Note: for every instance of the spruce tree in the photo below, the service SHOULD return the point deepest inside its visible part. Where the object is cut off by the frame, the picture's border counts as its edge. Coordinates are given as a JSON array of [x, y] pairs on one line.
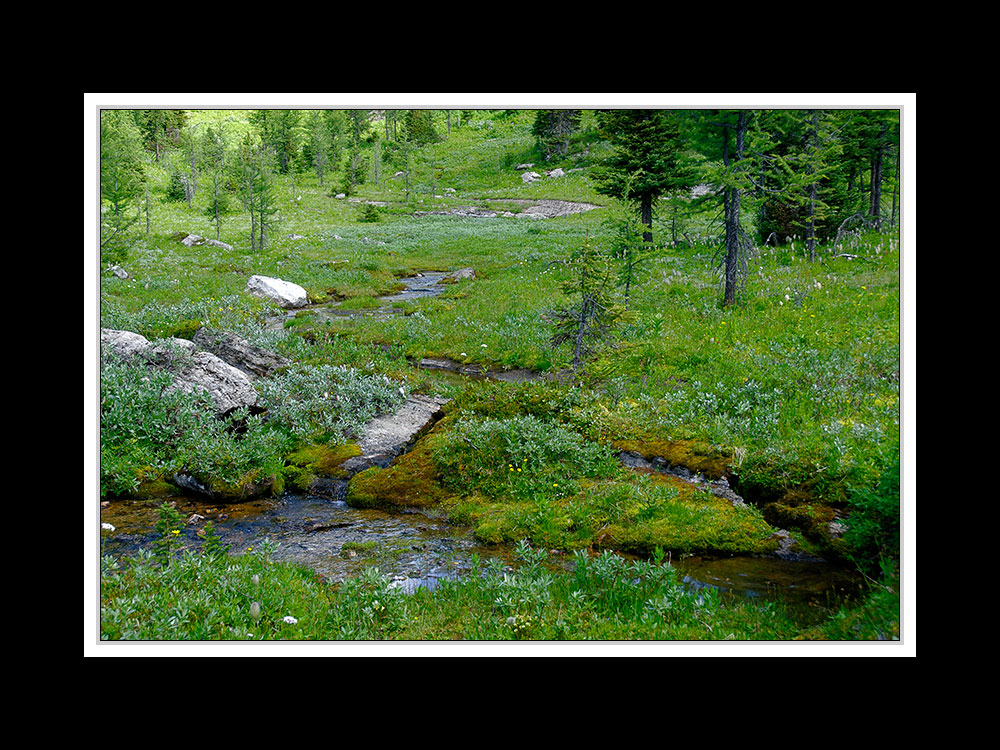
[[553, 129], [590, 318], [122, 177], [647, 159]]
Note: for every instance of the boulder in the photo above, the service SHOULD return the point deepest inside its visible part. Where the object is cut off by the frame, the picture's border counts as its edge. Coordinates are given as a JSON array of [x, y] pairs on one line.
[[285, 293], [239, 352], [192, 369], [530, 176], [194, 240], [557, 172], [460, 275], [387, 436], [125, 344]]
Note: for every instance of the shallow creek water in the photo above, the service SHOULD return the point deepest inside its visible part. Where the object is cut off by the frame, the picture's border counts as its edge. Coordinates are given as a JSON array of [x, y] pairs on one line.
[[417, 549], [325, 534]]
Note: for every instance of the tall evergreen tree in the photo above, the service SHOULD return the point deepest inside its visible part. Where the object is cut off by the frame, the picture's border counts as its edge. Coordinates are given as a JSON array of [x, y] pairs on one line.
[[805, 172], [419, 125], [646, 159], [870, 137], [253, 174], [319, 144], [721, 136], [281, 132], [161, 129], [553, 129], [213, 149], [122, 175]]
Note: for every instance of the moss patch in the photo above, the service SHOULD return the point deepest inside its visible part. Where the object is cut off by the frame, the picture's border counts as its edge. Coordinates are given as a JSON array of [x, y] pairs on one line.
[[693, 455], [409, 481], [320, 460]]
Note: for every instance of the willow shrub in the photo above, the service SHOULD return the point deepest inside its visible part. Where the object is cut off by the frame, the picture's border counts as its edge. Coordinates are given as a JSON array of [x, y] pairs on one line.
[[521, 457]]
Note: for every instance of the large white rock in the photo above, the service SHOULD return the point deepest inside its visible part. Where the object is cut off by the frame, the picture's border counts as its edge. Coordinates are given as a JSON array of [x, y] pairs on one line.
[[285, 293], [191, 368]]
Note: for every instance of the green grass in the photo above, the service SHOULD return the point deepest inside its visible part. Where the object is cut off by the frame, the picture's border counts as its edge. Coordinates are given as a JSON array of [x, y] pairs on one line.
[[248, 597], [795, 391]]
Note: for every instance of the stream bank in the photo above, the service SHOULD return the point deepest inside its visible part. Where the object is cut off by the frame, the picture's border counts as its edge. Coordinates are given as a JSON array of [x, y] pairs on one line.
[[416, 548]]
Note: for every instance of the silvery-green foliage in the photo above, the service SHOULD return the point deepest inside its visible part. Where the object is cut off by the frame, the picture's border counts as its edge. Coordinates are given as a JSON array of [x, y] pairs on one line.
[[328, 401], [144, 424]]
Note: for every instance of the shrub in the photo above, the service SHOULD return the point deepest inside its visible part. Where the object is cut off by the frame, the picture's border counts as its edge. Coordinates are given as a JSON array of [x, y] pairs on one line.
[[520, 457], [873, 524], [369, 213], [326, 402], [143, 423]]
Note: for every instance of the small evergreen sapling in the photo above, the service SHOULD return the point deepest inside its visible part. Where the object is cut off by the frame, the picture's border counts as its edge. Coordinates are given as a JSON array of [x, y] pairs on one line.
[[594, 314]]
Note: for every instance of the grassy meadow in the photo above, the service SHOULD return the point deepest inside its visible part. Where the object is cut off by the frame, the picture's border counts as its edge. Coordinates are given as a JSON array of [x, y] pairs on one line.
[[793, 395]]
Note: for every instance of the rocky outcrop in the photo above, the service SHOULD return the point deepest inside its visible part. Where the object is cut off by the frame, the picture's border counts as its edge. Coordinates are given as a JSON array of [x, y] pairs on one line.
[[192, 368], [387, 436], [238, 352], [284, 293], [460, 275]]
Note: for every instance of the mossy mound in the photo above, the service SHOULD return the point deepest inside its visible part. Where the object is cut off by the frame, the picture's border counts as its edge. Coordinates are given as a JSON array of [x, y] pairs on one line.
[[311, 462], [693, 455], [411, 480]]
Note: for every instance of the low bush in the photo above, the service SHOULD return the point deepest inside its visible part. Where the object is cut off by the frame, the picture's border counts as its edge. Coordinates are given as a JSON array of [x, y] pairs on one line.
[[523, 458]]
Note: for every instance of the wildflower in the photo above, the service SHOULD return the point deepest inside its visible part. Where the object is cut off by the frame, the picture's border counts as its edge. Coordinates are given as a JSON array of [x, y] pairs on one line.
[[107, 527], [255, 580], [289, 620], [483, 345], [175, 532], [255, 610]]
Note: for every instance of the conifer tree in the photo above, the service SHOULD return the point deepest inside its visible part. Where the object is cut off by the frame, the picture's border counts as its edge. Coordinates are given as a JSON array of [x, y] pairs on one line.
[[553, 129], [593, 314], [647, 158], [122, 177], [213, 149], [253, 174]]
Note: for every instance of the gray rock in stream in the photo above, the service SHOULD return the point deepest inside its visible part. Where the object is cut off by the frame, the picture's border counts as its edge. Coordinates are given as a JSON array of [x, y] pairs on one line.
[[719, 487], [387, 436]]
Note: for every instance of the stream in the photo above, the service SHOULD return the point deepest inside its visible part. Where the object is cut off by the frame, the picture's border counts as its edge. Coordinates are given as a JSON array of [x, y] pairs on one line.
[[418, 548]]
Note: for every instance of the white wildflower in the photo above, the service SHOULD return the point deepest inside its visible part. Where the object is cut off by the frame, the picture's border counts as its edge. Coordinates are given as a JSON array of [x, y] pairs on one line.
[[107, 527], [289, 620]]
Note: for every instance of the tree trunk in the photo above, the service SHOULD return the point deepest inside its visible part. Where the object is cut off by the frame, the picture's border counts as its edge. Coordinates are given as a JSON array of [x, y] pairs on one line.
[[646, 208], [813, 190], [895, 193], [732, 214], [875, 206]]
